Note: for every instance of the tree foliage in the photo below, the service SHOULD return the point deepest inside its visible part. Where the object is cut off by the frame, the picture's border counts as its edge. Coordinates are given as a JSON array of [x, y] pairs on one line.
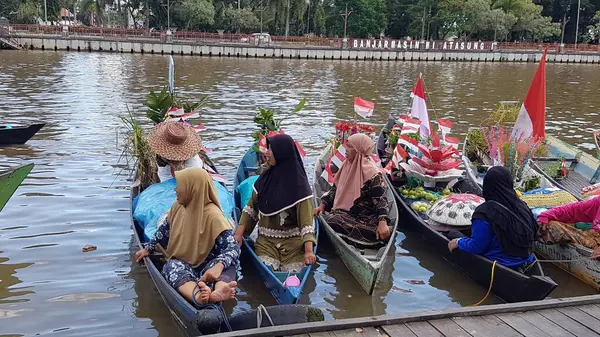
[[502, 20]]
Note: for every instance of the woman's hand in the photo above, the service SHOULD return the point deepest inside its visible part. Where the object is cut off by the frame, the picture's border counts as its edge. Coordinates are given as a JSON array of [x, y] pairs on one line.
[[453, 245], [309, 258], [239, 235], [212, 274], [140, 254], [319, 209], [383, 231]]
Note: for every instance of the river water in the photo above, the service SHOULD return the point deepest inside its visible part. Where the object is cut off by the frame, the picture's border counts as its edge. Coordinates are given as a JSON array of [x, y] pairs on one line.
[[78, 193]]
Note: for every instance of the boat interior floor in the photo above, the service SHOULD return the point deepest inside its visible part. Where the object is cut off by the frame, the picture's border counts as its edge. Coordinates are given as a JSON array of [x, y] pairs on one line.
[[573, 183]]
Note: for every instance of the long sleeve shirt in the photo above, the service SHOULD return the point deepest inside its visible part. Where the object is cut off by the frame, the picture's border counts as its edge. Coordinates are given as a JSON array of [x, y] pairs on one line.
[[291, 222], [484, 242], [372, 201], [583, 211], [225, 250]]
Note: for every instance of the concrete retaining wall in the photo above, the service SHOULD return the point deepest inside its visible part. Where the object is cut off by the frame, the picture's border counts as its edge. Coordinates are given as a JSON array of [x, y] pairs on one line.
[[151, 47]]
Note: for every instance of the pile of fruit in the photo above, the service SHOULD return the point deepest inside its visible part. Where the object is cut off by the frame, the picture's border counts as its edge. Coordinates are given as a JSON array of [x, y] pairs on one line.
[[420, 206], [420, 193]]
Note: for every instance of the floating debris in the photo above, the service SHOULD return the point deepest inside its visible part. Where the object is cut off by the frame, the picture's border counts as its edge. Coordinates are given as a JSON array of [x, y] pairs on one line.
[[12, 313], [83, 298], [415, 282], [405, 291], [88, 248], [359, 330]]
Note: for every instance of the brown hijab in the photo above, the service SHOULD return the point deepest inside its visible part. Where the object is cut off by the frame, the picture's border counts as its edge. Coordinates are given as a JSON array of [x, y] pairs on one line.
[[195, 219], [355, 171]]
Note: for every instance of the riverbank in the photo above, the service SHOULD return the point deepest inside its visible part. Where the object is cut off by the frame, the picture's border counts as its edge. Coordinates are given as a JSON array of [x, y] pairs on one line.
[[234, 49]]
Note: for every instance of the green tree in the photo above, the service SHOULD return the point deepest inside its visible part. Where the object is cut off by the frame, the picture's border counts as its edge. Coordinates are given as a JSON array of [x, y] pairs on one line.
[[195, 13]]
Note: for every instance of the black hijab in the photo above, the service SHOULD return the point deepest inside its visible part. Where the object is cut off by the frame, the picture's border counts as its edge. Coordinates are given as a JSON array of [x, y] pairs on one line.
[[285, 184], [510, 218]]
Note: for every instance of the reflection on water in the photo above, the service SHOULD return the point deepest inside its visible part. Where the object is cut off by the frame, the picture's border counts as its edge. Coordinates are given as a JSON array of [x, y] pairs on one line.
[[77, 193]]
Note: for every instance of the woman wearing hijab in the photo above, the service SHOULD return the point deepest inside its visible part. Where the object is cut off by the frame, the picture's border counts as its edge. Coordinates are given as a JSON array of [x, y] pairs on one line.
[[199, 242], [357, 200], [281, 204], [503, 228]]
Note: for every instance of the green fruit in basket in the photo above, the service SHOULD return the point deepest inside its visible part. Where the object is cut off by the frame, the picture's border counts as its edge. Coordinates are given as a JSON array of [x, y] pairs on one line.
[[423, 209], [405, 192], [429, 197], [446, 191]]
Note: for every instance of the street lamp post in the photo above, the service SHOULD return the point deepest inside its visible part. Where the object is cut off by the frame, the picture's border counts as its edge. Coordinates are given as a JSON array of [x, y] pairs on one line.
[[45, 13], [168, 15], [577, 24], [345, 15]]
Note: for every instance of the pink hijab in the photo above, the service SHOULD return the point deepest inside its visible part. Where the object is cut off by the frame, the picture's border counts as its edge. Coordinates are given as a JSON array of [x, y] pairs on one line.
[[355, 171]]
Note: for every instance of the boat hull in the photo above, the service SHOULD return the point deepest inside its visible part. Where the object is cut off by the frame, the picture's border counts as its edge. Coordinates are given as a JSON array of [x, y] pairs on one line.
[[10, 180], [272, 280], [509, 285], [365, 267], [19, 135]]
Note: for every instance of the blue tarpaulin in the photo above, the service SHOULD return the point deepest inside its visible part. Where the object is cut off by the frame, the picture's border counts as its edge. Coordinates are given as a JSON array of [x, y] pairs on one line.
[[157, 199], [245, 190]]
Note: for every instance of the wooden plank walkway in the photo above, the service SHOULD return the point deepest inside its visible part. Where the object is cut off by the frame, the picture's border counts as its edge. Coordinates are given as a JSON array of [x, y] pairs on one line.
[[568, 317]]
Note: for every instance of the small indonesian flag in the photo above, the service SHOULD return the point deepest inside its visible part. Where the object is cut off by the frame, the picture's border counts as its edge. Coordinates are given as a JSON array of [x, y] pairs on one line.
[[184, 117], [531, 121], [262, 143], [218, 177], [176, 112], [398, 156], [410, 143], [363, 108], [136, 183], [199, 128], [445, 126], [337, 159], [452, 141], [419, 108], [410, 125]]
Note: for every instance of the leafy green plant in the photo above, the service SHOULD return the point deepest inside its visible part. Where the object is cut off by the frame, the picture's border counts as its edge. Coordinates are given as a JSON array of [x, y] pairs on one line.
[[136, 149], [158, 105], [266, 122]]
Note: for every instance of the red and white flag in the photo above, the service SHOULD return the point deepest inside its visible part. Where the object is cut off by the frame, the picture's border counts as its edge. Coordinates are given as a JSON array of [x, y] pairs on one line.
[[445, 126], [398, 156], [218, 177], [419, 108], [199, 127], [174, 111], [410, 125], [193, 114], [410, 143], [531, 121], [451, 141], [262, 143], [337, 159], [363, 108]]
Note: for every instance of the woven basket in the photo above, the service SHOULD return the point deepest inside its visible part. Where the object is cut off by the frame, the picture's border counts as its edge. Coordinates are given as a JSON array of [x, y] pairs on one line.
[[548, 200]]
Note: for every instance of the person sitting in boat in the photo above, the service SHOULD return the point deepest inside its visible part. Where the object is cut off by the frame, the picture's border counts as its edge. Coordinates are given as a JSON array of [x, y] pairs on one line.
[[503, 228], [281, 204], [199, 242], [176, 146], [587, 211], [357, 200]]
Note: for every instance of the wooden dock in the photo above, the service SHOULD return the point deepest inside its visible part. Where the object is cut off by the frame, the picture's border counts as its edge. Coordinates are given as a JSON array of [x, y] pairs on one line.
[[576, 316]]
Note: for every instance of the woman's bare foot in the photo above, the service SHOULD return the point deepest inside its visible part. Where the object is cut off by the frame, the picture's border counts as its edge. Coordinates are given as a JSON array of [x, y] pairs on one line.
[[203, 296], [223, 292]]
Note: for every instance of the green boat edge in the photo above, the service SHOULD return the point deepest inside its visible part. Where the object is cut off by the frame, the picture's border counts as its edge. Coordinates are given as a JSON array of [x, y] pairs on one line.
[[10, 180]]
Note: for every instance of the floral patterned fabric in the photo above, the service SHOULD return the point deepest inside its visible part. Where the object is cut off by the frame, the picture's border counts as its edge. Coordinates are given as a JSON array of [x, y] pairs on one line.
[[177, 272], [360, 222]]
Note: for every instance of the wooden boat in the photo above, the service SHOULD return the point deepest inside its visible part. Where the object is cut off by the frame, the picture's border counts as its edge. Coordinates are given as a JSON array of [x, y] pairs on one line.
[[195, 322], [273, 280], [10, 180], [365, 261], [509, 285], [583, 171], [18, 134]]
